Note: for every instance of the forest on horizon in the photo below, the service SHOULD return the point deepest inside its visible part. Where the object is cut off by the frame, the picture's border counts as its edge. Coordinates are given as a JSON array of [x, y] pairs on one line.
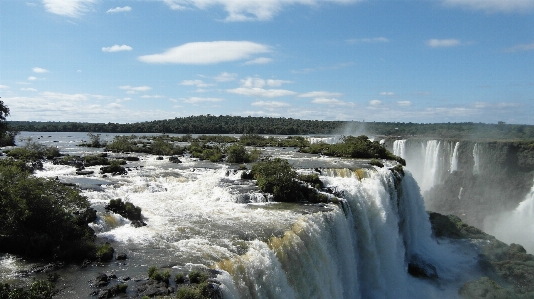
[[210, 124]]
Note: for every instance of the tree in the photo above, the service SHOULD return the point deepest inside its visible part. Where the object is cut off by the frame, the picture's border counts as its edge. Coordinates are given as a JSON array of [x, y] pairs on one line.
[[278, 178], [6, 137]]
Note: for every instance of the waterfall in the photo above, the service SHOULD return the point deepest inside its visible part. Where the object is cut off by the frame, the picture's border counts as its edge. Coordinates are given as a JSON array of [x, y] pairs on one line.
[[476, 158], [431, 166], [360, 249], [454, 159], [399, 148], [515, 226]]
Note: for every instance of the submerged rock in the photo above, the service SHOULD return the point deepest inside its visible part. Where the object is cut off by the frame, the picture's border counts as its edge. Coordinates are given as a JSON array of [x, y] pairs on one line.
[[420, 268]]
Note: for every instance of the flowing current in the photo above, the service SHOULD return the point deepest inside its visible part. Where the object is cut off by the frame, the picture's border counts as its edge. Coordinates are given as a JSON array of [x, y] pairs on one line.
[[201, 213]]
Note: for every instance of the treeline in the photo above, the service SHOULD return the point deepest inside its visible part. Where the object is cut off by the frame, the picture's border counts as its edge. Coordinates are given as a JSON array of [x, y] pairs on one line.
[[210, 124]]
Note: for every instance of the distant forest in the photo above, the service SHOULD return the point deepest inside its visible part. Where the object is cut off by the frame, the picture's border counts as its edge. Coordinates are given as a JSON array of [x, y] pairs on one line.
[[210, 124]]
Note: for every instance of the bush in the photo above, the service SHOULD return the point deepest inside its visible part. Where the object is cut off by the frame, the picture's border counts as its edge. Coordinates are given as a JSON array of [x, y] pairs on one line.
[[105, 253], [179, 278], [377, 163], [39, 289], [38, 216], [197, 276], [114, 168], [276, 176], [127, 210]]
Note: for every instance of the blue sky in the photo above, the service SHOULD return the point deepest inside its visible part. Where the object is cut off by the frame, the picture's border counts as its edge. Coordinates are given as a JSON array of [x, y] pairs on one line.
[[373, 60]]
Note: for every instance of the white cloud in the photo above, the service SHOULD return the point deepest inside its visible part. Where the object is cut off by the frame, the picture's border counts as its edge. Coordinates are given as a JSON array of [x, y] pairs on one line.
[[119, 9], [320, 94], [260, 92], [493, 6], [404, 103], [64, 96], [331, 101], [375, 102], [152, 97], [197, 83], [207, 52], [4, 87], [443, 43], [70, 8], [260, 60], [39, 70], [28, 89], [387, 93], [270, 104], [520, 48], [226, 77], [135, 89], [258, 82], [367, 40], [116, 48], [263, 10], [32, 78], [194, 100]]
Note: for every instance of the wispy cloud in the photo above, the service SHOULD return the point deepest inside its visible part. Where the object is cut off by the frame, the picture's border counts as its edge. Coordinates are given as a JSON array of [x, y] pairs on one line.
[[116, 48], [70, 8], [32, 78], [39, 70], [119, 9], [260, 92], [197, 83], [226, 77], [270, 104], [4, 87], [207, 52], [373, 40], [387, 93], [260, 60], [28, 89], [375, 102], [320, 94], [258, 82], [404, 103], [195, 100], [239, 11], [331, 101], [493, 6], [443, 43], [520, 48], [134, 89], [152, 97]]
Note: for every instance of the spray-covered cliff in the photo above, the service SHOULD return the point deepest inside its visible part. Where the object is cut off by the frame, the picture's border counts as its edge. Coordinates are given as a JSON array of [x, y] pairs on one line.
[[474, 180]]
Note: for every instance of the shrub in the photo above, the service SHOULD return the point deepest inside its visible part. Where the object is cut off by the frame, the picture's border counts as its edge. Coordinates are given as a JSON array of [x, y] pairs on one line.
[[114, 168], [376, 162], [313, 179], [38, 216], [197, 276], [105, 252], [276, 176], [39, 289], [179, 278], [189, 293], [127, 210]]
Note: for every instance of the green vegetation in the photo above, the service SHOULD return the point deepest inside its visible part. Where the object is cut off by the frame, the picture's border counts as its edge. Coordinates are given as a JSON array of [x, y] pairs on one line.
[[33, 151], [94, 141], [105, 252], [376, 162], [39, 289], [278, 178], [353, 147], [179, 278], [115, 168], [7, 137], [38, 216], [237, 153], [508, 269], [197, 276], [125, 209]]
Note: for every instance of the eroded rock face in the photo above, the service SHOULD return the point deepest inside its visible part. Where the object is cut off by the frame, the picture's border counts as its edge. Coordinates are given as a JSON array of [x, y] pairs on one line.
[[420, 268], [508, 269]]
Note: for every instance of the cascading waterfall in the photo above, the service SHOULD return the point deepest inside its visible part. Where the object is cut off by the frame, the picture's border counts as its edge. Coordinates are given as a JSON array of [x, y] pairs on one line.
[[476, 158], [515, 226], [454, 159], [357, 250], [431, 165], [399, 148]]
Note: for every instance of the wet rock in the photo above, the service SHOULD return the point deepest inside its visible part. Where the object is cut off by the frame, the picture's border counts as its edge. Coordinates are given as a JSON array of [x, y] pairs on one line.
[[152, 288], [101, 280], [420, 268], [112, 291], [122, 256], [137, 223], [86, 263], [84, 172], [46, 268], [159, 158], [174, 159], [85, 216]]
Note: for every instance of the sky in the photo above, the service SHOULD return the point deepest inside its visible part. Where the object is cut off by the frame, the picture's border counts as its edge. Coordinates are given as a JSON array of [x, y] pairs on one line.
[[424, 61]]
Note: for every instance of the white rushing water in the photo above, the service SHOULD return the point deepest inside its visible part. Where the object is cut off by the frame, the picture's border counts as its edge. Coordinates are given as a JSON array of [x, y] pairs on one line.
[[476, 158], [454, 159], [399, 148], [359, 248], [515, 226]]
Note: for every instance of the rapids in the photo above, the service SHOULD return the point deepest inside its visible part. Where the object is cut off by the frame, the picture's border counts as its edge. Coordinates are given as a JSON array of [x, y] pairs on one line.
[[200, 213]]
